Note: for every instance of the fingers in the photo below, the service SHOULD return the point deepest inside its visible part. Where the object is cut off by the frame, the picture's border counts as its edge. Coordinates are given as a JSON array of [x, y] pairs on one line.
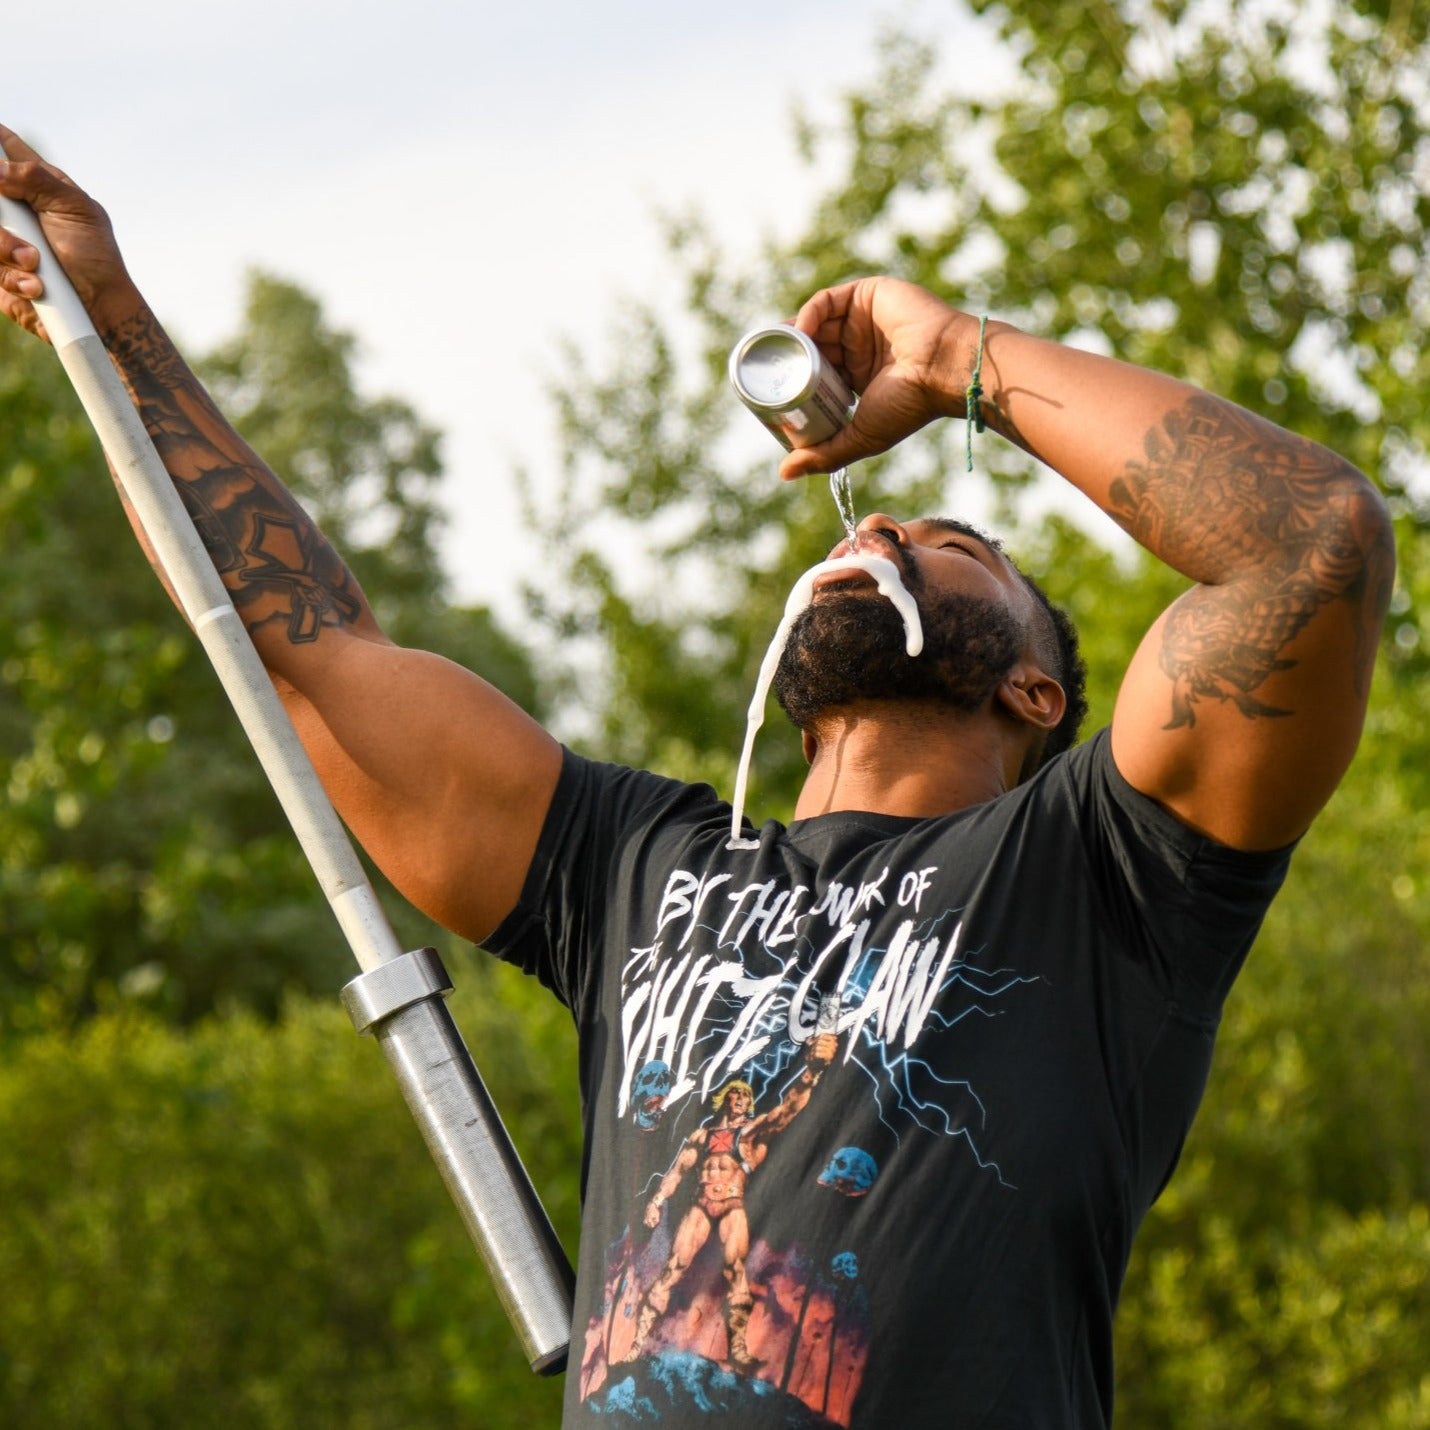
[[833, 319], [822, 314], [842, 449], [50, 192], [19, 261], [19, 283], [40, 185], [79, 234], [22, 313], [18, 264], [892, 407], [18, 164], [891, 339]]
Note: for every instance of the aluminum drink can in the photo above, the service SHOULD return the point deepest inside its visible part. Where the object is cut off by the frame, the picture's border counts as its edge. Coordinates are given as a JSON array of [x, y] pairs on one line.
[[778, 374]]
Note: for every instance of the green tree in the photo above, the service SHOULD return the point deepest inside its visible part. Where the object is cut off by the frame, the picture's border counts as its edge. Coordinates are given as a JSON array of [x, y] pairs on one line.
[[1207, 191], [236, 1224], [141, 853]]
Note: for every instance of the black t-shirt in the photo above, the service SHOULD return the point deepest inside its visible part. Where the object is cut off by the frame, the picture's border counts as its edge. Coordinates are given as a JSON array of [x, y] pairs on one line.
[[930, 1226]]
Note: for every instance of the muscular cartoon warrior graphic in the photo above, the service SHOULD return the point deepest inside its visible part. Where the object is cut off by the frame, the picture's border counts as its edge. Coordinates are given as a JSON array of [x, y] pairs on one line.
[[729, 1150]]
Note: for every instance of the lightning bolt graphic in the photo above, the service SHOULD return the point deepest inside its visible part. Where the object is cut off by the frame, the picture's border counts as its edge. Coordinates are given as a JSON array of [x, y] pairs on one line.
[[907, 1091]]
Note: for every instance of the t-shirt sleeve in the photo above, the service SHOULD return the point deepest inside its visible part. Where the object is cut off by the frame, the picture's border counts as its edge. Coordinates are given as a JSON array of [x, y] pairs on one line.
[[555, 930], [1179, 902]]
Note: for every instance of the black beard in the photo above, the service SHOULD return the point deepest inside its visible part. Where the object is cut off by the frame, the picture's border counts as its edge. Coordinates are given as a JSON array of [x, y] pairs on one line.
[[849, 646]]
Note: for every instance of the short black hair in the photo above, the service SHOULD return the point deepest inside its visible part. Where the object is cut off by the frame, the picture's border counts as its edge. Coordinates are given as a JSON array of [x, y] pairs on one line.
[[1069, 668], [1056, 644]]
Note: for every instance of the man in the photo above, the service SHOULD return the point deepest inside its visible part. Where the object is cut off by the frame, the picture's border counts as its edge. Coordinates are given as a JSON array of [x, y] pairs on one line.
[[730, 1150], [1022, 953]]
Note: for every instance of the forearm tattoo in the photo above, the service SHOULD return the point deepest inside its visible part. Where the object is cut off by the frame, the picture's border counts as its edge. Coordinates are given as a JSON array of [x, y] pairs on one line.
[[279, 568], [1274, 526]]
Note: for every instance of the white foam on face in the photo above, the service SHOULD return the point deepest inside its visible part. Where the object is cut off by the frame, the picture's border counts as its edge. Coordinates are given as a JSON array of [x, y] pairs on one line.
[[890, 585]]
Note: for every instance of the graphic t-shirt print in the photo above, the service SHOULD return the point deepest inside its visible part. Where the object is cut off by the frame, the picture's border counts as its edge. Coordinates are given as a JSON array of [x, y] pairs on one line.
[[748, 1003]]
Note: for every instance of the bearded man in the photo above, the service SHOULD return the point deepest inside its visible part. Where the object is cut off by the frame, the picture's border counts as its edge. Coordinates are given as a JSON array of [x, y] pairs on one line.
[[1022, 945]]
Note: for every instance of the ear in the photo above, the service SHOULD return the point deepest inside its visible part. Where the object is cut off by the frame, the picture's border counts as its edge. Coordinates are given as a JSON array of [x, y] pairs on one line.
[[810, 746], [1031, 697]]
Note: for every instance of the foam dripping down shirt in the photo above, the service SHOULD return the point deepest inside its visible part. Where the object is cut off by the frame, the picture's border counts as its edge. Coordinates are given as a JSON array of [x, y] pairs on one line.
[[872, 1112]]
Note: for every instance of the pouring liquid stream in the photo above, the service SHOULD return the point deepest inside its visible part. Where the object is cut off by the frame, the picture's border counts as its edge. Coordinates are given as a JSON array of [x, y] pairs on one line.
[[844, 505], [753, 364]]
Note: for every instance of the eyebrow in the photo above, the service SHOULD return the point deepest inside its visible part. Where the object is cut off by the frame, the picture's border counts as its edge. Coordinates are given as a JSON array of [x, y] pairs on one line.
[[962, 528], [951, 527]]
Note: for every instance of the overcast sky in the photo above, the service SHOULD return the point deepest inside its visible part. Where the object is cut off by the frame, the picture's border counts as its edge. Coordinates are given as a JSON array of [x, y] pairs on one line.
[[459, 183]]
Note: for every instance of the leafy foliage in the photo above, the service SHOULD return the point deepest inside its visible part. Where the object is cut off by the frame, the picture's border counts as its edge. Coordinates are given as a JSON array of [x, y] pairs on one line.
[[142, 855], [1234, 193], [238, 1225]]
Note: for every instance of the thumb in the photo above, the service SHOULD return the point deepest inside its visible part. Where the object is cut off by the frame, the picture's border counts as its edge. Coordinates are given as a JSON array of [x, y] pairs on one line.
[[893, 406], [848, 445], [13, 147], [42, 187], [25, 175]]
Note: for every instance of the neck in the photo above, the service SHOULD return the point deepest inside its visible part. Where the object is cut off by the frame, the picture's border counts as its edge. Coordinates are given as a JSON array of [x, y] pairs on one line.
[[913, 760]]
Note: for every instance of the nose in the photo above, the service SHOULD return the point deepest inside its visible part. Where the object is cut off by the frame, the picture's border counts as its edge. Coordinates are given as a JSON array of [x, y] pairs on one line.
[[876, 523]]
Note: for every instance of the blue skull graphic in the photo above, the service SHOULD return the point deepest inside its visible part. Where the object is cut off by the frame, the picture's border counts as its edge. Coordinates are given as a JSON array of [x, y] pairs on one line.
[[851, 1170], [845, 1266], [648, 1094]]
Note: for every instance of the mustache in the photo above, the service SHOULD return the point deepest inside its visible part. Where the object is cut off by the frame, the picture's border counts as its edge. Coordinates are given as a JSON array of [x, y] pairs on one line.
[[896, 552]]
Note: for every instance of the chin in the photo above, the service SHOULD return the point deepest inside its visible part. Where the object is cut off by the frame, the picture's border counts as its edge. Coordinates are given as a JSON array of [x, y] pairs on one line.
[[847, 649]]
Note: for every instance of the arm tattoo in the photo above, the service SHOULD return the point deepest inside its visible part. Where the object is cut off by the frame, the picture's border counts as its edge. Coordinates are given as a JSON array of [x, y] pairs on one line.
[[1275, 526], [279, 568]]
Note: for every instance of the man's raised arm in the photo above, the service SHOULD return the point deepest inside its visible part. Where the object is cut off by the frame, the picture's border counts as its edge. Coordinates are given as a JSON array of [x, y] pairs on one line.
[[442, 779], [1245, 701]]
